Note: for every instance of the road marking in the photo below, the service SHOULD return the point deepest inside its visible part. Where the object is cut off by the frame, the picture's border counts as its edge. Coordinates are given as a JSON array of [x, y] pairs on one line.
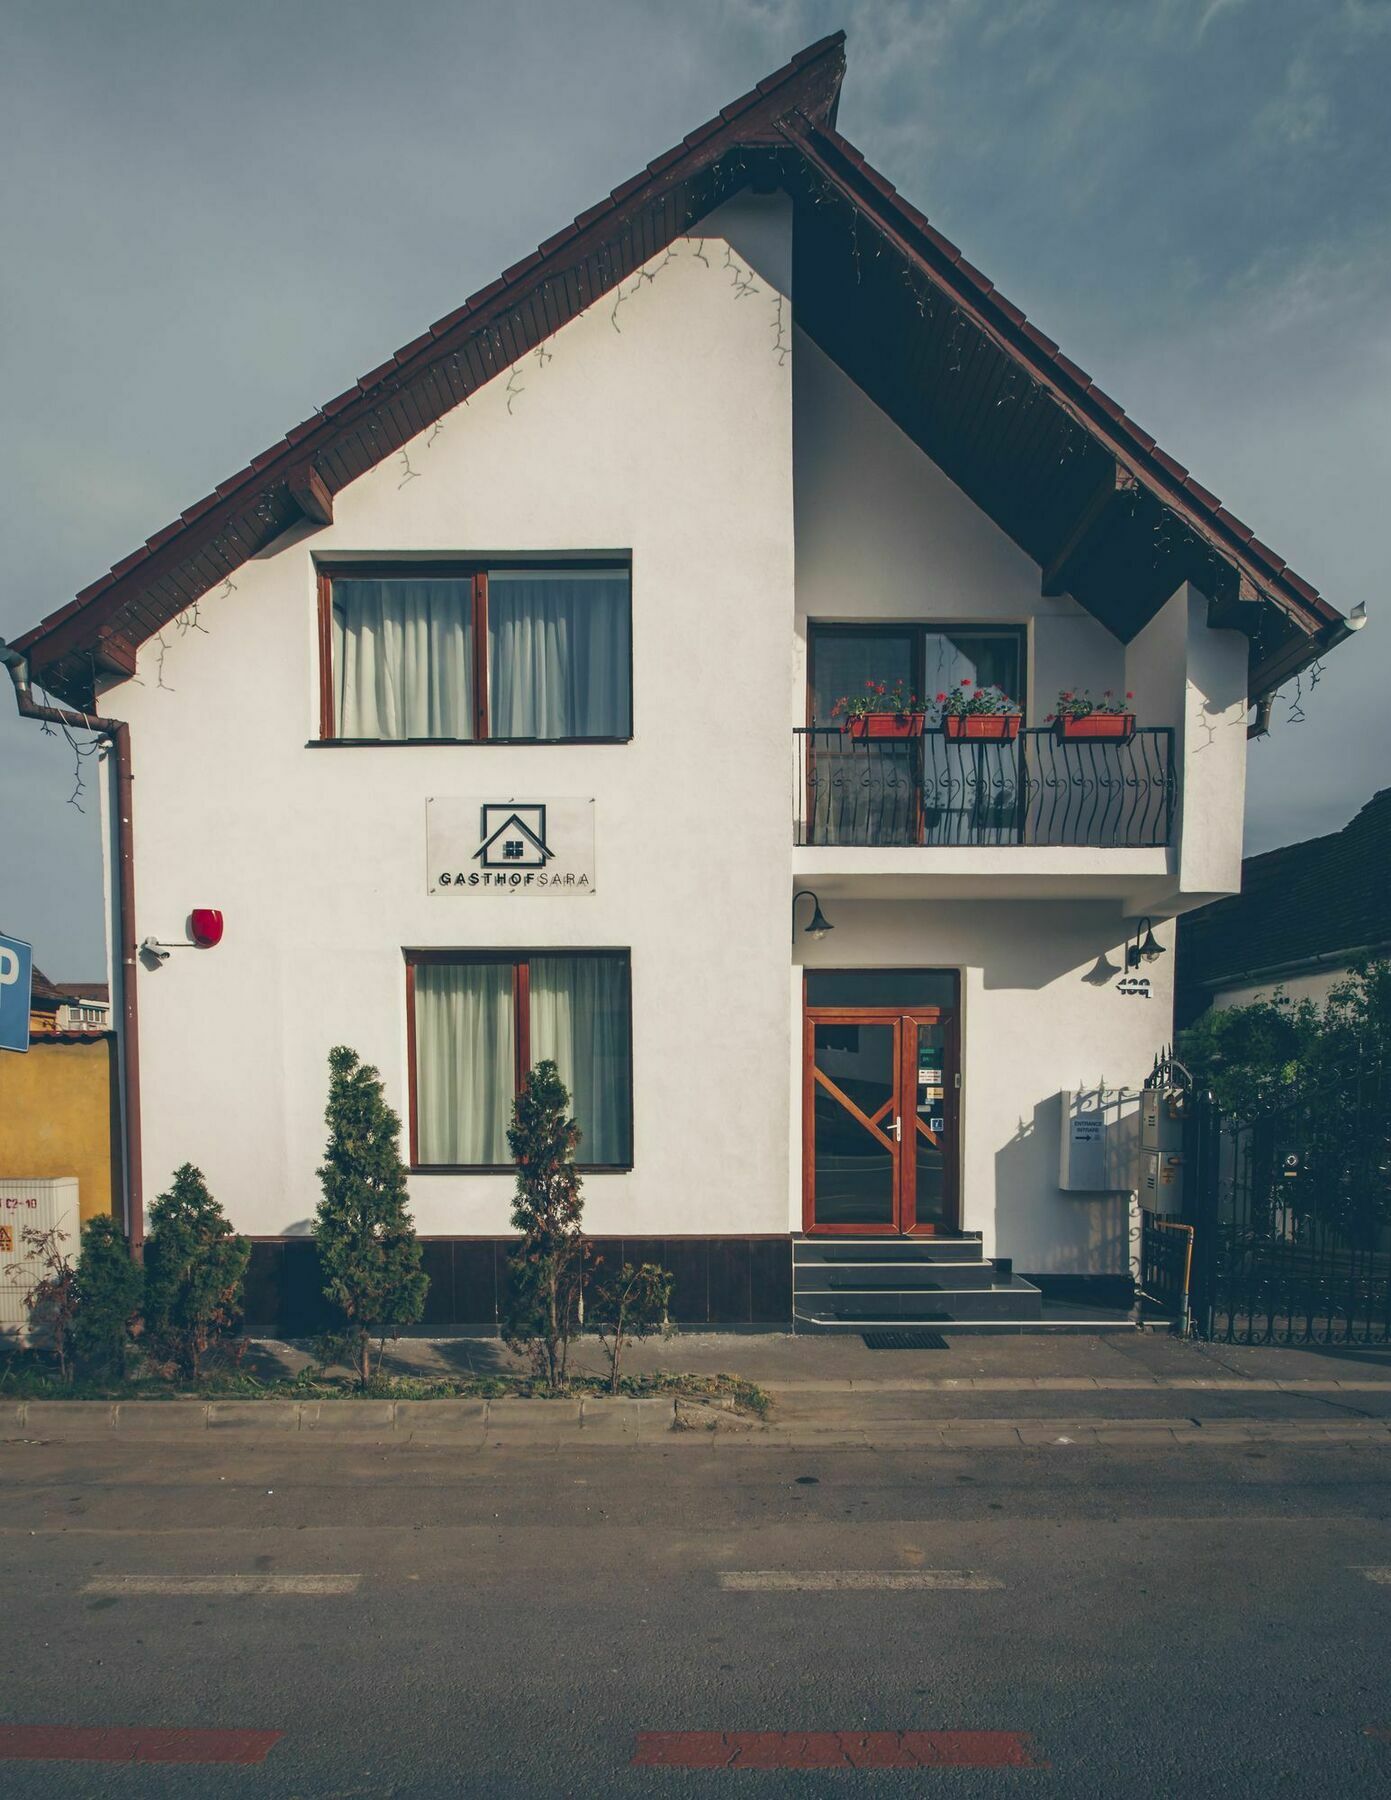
[[835, 1750], [827, 1581], [172, 1585], [1381, 1576], [133, 1744]]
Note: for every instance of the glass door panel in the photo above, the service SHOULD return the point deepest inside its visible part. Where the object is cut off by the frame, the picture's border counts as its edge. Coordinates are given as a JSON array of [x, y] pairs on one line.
[[929, 1076], [860, 793], [855, 1124]]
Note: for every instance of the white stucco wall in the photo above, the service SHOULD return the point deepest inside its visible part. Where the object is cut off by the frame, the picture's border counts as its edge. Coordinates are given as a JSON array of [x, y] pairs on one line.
[[1031, 1027], [883, 534], [669, 437], [754, 491], [1195, 678]]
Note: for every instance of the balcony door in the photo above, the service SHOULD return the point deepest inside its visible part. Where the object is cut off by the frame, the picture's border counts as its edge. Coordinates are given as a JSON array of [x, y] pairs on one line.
[[879, 1114]]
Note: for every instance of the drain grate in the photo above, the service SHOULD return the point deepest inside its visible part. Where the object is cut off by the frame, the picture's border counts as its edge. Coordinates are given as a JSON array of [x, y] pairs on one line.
[[905, 1340]]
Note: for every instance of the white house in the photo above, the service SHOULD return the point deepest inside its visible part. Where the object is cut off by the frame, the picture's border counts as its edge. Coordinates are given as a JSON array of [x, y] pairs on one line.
[[508, 729]]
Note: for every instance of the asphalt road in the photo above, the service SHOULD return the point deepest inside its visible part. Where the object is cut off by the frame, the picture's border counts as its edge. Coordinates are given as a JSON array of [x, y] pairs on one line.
[[1147, 1623]]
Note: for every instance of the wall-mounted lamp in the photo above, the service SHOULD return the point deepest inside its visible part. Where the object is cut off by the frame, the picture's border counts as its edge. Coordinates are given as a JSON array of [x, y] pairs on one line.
[[819, 924], [1149, 951]]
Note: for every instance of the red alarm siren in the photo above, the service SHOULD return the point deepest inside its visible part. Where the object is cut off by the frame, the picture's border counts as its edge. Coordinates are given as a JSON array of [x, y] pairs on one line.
[[205, 924]]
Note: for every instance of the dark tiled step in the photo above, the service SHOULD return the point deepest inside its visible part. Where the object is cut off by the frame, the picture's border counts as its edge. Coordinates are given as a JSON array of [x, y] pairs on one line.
[[811, 1278], [1019, 1300], [811, 1251]]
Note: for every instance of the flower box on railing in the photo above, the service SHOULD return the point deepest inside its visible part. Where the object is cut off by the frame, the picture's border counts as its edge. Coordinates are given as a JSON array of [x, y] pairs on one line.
[[1000, 727], [1115, 726], [885, 725]]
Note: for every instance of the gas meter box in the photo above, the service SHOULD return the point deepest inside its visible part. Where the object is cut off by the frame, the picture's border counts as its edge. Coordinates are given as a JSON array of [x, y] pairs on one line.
[[1161, 1181], [1161, 1120]]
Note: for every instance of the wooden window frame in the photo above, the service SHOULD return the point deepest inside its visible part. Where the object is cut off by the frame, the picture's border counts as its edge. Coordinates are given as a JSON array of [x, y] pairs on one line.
[[919, 630], [520, 961], [454, 570]]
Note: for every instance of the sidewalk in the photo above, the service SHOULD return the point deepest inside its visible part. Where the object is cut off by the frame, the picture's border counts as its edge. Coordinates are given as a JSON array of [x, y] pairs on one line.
[[788, 1365], [1136, 1390]]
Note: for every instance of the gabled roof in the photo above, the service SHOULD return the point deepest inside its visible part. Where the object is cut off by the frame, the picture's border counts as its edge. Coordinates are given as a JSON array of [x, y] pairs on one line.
[[1030, 437], [1315, 901]]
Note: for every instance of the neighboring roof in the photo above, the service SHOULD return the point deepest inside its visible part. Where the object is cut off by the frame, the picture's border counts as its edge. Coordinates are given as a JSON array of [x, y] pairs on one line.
[[44, 995], [1315, 901], [88, 990], [1055, 461]]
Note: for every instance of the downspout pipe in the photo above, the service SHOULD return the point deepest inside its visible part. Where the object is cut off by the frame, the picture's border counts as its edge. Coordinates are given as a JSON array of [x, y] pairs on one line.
[[117, 734]]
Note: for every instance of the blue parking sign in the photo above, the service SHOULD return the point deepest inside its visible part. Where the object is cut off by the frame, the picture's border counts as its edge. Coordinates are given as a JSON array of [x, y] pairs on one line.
[[16, 979]]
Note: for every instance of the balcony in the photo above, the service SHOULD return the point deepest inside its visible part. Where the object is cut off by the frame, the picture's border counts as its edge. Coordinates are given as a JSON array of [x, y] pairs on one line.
[[1038, 792]]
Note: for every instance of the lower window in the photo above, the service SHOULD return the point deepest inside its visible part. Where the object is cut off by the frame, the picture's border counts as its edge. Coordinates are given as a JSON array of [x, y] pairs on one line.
[[479, 1020]]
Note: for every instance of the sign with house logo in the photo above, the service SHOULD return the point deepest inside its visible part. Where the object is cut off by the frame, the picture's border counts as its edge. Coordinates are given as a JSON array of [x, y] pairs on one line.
[[508, 846]]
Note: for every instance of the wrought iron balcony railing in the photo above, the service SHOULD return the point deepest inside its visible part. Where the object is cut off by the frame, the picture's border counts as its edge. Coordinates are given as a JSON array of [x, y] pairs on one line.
[[1038, 790]]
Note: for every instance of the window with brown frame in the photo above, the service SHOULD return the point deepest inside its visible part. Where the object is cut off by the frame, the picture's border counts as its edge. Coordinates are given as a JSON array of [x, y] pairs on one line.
[[463, 653], [928, 658], [477, 1021]]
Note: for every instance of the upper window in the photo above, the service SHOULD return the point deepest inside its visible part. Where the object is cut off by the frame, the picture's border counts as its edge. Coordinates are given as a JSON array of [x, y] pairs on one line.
[[929, 659], [538, 654]]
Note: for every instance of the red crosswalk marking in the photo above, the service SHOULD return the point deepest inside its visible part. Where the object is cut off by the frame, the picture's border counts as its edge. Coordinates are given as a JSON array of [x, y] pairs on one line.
[[836, 1750], [133, 1743]]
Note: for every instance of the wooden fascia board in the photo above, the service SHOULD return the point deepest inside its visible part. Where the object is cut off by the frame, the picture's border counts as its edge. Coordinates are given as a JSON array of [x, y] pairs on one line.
[[310, 493], [973, 300], [114, 653], [811, 80]]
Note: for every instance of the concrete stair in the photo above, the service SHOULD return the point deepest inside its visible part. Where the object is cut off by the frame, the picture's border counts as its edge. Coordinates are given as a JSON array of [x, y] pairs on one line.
[[851, 1284]]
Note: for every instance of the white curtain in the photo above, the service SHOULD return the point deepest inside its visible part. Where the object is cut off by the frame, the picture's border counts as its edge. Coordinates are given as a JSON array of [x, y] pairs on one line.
[[403, 658], [465, 1062], [558, 659], [579, 1019]]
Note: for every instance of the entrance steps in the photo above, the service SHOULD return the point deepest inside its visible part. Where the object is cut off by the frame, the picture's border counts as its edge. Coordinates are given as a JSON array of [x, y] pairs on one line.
[[851, 1284]]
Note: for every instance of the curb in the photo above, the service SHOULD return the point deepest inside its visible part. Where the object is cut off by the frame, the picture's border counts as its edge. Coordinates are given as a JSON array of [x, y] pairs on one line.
[[596, 1422], [507, 1420]]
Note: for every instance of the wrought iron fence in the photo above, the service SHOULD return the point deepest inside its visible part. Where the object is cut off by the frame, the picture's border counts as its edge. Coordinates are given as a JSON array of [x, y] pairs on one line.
[[1166, 1266], [1292, 1217], [1037, 790]]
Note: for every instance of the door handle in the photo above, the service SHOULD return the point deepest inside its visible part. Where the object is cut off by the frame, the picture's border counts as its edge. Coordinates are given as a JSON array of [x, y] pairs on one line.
[[897, 1130]]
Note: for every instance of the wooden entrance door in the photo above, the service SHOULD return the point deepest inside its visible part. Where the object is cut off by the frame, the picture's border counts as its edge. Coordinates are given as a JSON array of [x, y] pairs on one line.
[[879, 1121]]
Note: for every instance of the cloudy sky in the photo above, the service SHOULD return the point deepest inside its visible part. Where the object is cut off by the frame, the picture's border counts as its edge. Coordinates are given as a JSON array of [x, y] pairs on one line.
[[214, 214]]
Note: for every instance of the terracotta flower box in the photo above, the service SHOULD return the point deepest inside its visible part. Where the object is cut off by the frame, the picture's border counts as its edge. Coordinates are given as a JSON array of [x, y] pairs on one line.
[[1098, 725], [885, 725], [1001, 727]]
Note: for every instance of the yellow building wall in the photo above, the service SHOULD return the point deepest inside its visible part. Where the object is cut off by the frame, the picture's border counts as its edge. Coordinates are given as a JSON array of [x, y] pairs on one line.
[[59, 1116]]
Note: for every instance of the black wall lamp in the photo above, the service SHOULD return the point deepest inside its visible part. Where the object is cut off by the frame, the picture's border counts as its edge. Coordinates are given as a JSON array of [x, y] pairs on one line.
[[1149, 951], [819, 924]]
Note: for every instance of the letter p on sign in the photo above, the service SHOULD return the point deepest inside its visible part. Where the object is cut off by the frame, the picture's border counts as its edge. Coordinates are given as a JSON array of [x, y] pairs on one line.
[[16, 977]]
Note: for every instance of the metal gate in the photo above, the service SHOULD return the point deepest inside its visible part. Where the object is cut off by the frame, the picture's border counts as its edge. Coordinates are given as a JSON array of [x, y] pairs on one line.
[[1291, 1216]]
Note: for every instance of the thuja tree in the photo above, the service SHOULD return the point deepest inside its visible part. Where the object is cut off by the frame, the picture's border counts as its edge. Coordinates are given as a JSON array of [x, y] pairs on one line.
[[111, 1289], [195, 1265], [546, 1275], [368, 1250]]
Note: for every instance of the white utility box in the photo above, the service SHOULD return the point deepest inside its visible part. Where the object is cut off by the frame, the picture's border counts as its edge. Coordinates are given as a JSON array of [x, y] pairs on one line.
[[36, 1206], [1099, 1137], [1161, 1150]]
